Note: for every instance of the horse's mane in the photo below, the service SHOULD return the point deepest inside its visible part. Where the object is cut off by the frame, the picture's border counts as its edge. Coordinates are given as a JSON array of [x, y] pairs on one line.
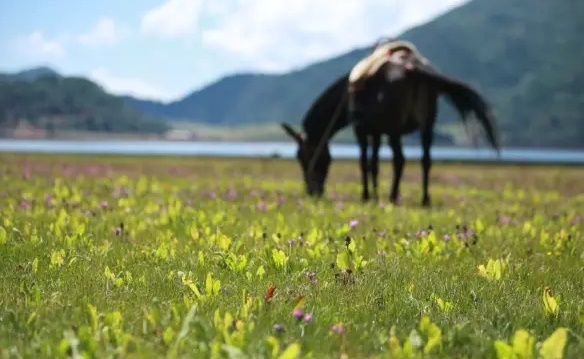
[[322, 111]]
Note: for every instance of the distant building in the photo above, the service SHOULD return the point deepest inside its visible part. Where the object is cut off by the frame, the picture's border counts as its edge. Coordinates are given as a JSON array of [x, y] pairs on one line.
[[179, 135], [24, 130]]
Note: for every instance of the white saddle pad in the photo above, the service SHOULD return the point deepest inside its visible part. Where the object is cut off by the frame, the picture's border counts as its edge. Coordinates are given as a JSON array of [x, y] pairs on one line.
[[370, 64]]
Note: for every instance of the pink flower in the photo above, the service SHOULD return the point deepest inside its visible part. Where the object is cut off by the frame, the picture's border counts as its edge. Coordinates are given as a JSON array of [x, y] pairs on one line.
[[338, 328], [353, 223], [504, 220], [261, 206], [307, 317], [298, 313], [231, 194], [24, 204]]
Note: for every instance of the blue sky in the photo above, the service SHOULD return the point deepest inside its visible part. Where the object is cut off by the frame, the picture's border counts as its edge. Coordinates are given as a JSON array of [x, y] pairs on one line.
[[163, 49]]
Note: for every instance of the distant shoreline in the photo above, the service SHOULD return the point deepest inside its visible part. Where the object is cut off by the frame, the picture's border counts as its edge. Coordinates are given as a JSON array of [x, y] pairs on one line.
[[136, 138], [281, 149]]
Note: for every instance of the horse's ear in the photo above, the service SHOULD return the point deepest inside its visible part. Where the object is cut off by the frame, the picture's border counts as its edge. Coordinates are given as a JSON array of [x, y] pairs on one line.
[[293, 133]]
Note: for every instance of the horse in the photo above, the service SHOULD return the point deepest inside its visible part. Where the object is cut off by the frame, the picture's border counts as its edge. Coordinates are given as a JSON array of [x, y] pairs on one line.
[[406, 91], [329, 113]]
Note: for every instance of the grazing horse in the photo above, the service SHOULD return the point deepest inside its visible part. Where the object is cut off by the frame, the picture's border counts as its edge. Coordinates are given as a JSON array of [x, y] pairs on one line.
[[400, 96], [330, 113]]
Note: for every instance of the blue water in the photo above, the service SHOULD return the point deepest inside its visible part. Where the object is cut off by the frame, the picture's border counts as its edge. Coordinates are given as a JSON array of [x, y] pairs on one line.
[[283, 149]]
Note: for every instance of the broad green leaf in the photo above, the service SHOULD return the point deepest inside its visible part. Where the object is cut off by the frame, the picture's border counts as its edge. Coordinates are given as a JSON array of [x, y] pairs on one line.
[[343, 260], [553, 346], [291, 352], [3, 235], [523, 344]]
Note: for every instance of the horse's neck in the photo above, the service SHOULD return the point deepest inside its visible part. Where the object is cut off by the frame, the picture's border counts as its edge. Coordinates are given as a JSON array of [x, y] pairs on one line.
[[324, 131]]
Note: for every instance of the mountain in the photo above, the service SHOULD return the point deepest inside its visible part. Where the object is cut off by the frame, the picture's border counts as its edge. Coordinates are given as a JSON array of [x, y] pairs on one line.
[[525, 56], [43, 99], [34, 73]]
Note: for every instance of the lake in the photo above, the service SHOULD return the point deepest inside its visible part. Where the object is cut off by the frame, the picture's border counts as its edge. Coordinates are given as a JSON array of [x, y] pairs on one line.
[[283, 149]]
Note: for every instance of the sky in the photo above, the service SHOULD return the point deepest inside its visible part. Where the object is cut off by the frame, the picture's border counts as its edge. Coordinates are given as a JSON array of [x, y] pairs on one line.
[[164, 49]]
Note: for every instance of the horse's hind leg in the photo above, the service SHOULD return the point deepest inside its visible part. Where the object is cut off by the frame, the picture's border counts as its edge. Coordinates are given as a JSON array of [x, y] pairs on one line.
[[398, 166], [361, 135], [374, 165]]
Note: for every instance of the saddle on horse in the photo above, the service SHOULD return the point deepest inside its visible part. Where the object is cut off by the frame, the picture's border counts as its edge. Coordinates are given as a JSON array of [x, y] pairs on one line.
[[385, 50]]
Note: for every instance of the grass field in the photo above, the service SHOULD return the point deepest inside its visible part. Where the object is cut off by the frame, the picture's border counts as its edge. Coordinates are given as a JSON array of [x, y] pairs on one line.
[[149, 257]]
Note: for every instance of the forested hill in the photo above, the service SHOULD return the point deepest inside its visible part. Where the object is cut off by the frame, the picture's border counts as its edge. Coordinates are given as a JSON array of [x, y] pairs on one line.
[[43, 99], [526, 56]]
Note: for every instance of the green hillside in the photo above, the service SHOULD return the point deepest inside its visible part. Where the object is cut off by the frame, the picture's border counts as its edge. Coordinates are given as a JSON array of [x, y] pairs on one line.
[[526, 56], [42, 99]]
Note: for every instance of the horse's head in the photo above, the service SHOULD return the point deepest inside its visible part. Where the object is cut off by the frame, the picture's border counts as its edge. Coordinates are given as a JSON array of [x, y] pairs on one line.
[[313, 162]]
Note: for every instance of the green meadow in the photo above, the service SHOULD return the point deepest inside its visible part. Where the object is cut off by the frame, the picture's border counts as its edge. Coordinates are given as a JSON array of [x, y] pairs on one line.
[[178, 257]]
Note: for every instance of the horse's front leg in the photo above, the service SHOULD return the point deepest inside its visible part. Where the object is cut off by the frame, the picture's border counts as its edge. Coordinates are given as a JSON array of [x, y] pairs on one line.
[[374, 165], [426, 166], [398, 166], [362, 140]]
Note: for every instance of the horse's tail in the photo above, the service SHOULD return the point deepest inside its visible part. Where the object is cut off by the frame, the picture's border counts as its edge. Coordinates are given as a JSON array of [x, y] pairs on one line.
[[466, 100]]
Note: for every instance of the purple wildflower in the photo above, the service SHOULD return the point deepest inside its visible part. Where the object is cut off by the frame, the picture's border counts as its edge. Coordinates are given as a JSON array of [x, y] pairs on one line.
[[504, 220], [338, 328], [210, 194], [446, 237], [104, 204], [576, 220], [117, 231], [353, 223], [261, 206], [308, 317], [230, 194], [281, 200], [298, 313], [24, 204]]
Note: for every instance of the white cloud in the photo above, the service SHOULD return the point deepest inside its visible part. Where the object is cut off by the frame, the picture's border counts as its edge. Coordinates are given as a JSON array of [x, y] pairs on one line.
[[279, 34], [173, 18], [121, 85], [105, 32], [39, 47]]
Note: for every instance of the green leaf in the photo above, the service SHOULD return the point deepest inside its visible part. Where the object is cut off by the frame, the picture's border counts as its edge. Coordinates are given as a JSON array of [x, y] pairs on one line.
[[291, 352], [260, 272], [3, 235], [433, 334], [504, 350], [523, 344], [343, 260], [168, 335], [553, 347]]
